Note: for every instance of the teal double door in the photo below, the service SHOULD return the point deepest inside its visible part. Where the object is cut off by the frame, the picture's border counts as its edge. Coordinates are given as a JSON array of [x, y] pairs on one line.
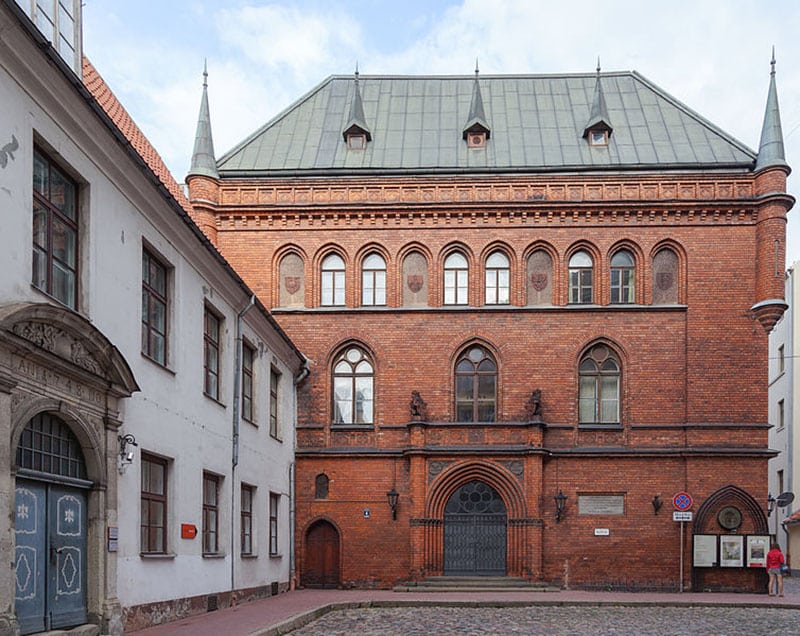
[[50, 556]]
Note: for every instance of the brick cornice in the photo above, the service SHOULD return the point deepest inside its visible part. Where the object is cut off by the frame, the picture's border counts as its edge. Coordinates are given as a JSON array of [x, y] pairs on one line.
[[485, 191]]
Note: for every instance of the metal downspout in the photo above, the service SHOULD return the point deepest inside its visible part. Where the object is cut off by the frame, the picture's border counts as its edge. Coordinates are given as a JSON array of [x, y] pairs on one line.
[[237, 382], [302, 375]]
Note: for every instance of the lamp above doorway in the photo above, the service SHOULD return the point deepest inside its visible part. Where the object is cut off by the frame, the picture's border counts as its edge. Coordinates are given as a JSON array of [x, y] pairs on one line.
[[393, 496], [561, 502], [125, 454]]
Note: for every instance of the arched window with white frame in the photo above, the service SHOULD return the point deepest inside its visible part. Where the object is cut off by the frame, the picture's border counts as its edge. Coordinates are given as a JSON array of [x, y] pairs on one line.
[[581, 278], [498, 278], [353, 387], [456, 279], [373, 280], [623, 275], [599, 393], [332, 281]]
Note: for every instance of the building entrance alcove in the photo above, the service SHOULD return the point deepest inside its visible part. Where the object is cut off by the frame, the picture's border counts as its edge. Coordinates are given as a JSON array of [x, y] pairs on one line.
[[475, 520], [322, 557], [50, 503]]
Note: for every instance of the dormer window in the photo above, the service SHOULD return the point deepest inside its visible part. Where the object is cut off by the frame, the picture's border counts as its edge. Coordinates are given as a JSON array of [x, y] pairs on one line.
[[598, 137], [476, 140], [356, 141]]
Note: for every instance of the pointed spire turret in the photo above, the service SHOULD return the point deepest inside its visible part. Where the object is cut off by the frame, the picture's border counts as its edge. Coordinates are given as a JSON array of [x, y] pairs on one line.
[[203, 160], [476, 120], [356, 122], [598, 113], [770, 149]]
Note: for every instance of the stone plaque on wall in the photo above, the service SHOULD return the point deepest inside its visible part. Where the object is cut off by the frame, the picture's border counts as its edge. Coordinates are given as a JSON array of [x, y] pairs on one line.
[[415, 280], [601, 504], [292, 283], [540, 278]]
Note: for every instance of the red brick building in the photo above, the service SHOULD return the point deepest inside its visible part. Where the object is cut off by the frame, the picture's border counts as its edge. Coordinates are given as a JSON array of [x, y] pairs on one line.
[[575, 273]]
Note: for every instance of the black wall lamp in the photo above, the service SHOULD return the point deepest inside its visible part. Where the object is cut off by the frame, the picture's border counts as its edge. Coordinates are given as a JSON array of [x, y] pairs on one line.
[[125, 455], [771, 501], [561, 501], [657, 503], [393, 496]]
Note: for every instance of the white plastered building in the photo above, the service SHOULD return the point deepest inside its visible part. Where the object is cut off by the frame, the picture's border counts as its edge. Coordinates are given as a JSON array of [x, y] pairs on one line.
[[147, 399]]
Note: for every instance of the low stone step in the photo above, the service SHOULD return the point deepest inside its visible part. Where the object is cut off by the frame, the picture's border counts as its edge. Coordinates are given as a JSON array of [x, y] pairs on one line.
[[474, 584]]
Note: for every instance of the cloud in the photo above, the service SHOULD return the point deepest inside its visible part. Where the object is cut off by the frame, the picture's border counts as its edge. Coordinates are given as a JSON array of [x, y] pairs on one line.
[[712, 55], [284, 39]]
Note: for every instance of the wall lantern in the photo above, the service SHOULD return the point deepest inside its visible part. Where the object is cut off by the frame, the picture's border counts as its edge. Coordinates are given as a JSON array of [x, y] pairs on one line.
[[561, 501], [771, 501], [393, 496], [125, 454], [657, 503]]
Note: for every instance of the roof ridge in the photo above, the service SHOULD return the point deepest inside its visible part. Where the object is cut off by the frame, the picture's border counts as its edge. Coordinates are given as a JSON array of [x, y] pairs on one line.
[[108, 101]]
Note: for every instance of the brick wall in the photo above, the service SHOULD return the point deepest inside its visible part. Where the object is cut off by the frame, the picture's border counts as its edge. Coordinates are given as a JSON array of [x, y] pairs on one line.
[[693, 391]]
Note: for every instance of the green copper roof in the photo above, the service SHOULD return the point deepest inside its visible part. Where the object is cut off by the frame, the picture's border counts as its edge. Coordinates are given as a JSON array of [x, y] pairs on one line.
[[537, 124], [203, 162], [770, 148]]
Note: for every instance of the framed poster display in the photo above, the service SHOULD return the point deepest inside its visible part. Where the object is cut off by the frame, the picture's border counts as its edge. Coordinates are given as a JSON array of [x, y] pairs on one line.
[[757, 548], [705, 551], [731, 550]]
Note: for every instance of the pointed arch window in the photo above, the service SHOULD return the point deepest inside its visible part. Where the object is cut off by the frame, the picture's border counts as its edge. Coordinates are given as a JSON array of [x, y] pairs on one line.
[[476, 386], [456, 278], [581, 289], [321, 486], [498, 276], [353, 387], [623, 270], [599, 386], [332, 281], [373, 280]]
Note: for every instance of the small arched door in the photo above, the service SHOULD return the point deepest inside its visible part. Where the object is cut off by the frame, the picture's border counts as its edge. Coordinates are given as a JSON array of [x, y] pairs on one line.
[[50, 527], [322, 556], [475, 532]]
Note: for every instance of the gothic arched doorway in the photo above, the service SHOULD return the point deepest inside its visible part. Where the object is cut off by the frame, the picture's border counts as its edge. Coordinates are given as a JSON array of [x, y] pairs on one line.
[[322, 556], [475, 532], [50, 527]]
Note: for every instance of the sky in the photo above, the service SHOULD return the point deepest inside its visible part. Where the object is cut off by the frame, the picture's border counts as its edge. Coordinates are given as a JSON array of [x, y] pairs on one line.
[[712, 55]]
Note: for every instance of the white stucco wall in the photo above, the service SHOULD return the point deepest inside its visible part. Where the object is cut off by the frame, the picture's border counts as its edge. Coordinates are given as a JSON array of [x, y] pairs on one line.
[[120, 210]]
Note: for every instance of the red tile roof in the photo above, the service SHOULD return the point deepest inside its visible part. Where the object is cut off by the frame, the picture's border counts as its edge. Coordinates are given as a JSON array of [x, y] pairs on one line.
[[114, 109]]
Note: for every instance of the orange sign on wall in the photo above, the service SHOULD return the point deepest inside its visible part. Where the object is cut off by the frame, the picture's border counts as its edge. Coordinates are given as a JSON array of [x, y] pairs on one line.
[[188, 531]]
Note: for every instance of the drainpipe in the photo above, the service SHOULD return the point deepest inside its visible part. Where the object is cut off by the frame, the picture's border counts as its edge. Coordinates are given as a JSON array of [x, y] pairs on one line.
[[302, 375], [237, 382]]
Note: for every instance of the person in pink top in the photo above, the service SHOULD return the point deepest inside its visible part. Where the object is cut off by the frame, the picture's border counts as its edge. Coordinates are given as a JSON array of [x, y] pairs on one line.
[[774, 561]]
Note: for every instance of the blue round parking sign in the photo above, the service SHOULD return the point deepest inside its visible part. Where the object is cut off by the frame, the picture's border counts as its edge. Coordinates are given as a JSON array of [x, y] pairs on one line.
[[682, 501]]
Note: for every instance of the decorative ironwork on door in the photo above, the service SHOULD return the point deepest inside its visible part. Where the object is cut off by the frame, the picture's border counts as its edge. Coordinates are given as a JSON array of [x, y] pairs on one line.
[[475, 532], [50, 528]]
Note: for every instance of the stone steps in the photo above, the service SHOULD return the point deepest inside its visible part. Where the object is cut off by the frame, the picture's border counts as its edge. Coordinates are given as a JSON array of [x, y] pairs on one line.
[[474, 584]]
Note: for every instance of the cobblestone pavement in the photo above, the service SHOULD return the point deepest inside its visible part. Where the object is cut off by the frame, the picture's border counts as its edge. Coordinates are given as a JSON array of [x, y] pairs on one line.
[[556, 621]]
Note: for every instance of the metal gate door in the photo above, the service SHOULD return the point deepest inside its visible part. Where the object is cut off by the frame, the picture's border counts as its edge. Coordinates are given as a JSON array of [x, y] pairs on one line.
[[475, 532], [50, 556]]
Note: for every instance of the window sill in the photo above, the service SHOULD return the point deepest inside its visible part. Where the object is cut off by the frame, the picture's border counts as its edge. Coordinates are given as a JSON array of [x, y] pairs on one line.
[[276, 555], [252, 555], [213, 399], [352, 427], [157, 556], [155, 362], [600, 427], [276, 438], [213, 555]]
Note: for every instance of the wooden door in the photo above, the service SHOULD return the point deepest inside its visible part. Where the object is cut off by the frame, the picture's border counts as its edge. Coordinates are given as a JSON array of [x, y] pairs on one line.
[[322, 556], [50, 572]]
